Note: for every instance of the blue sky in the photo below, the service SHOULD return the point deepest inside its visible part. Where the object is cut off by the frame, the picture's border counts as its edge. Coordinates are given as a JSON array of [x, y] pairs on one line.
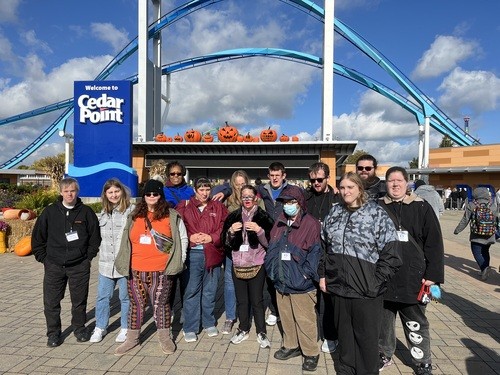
[[448, 48]]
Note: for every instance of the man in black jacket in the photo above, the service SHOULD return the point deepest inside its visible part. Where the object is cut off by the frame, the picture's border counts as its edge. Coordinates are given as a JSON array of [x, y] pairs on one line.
[[366, 166], [319, 199], [66, 238]]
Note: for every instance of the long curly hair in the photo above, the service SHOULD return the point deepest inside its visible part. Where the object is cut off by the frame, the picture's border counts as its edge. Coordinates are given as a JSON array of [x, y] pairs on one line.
[[235, 198], [161, 209]]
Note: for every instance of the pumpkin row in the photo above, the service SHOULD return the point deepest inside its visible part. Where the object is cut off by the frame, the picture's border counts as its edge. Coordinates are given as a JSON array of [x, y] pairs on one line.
[[226, 133]]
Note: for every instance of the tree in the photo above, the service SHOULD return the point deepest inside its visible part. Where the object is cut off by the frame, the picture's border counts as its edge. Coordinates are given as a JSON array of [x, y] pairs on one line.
[[53, 166], [413, 164], [158, 168], [23, 166], [351, 159], [446, 142]]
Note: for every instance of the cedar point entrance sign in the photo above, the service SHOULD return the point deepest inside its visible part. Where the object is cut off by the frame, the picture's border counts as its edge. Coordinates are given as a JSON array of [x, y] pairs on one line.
[[103, 135]]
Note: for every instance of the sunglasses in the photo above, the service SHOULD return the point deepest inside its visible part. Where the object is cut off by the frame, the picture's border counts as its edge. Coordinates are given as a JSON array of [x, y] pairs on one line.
[[319, 180], [175, 174], [360, 168], [151, 194]]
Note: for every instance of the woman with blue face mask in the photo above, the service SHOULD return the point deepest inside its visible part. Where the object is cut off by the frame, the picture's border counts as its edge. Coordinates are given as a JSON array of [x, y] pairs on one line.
[[291, 263]]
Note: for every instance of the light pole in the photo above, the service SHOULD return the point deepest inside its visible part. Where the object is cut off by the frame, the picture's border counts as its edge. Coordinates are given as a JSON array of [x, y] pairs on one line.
[[67, 150], [466, 123]]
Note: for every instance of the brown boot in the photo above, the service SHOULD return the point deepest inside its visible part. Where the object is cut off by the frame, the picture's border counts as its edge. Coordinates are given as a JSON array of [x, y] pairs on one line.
[[166, 343], [131, 342]]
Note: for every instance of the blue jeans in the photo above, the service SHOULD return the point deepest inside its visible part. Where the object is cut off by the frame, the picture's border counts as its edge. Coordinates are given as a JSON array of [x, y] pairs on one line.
[[229, 293], [199, 296], [481, 254], [105, 289]]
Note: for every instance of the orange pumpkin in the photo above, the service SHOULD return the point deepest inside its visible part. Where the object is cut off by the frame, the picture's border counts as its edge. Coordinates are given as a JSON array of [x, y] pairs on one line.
[[160, 137], [227, 133], [168, 139], [248, 138], [284, 138], [295, 138], [207, 137], [256, 139], [268, 135], [23, 246], [239, 138], [192, 135], [178, 138]]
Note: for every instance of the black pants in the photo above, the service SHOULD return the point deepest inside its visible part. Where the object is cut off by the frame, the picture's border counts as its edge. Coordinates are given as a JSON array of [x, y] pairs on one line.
[[271, 293], [251, 293], [54, 285], [358, 324], [324, 308]]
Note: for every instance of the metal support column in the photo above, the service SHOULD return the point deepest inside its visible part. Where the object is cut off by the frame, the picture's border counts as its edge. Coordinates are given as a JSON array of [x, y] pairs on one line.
[[328, 40]]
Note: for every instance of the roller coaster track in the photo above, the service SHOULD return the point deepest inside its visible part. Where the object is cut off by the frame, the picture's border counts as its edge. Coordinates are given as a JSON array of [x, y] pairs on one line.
[[438, 119]]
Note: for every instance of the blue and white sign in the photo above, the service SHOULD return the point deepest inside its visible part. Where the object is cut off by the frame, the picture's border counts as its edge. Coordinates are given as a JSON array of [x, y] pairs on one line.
[[103, 135]]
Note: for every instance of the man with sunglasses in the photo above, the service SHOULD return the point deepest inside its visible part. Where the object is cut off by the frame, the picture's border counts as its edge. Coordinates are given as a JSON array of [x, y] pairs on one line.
[[366, 166], [320, 197]]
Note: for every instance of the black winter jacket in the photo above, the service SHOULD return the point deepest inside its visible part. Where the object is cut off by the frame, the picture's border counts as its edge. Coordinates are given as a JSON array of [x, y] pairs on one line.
[[49, 241], [426, 262]]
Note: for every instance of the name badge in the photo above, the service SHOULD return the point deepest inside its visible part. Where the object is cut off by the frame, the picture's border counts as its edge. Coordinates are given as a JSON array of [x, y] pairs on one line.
[[403, 235], [244, 248], [72, 236], [145, 239], [286, 256]]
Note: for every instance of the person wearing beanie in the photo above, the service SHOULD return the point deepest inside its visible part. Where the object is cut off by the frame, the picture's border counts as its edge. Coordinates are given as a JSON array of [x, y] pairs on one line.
[[429, 194], [151, 267], [480, 245]]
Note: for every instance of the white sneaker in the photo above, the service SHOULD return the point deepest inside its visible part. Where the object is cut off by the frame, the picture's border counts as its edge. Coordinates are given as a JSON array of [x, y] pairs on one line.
[[485, 273], [272, 320], [122, 335], [211, 331], [97, 335], [263, 340], [239, 336], [329, 346]]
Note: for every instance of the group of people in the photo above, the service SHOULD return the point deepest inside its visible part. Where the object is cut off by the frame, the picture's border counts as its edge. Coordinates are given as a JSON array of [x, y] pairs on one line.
[[337, 263]]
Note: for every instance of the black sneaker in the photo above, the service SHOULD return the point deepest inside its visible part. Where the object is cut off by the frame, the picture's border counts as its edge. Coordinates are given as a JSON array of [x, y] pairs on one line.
[[284, 353], [82, 335], [310, 363], [384, 362], [54, 340], [424, 369]]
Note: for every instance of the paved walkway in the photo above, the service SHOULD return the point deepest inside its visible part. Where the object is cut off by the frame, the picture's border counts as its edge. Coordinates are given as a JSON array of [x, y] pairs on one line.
[[464, 327]]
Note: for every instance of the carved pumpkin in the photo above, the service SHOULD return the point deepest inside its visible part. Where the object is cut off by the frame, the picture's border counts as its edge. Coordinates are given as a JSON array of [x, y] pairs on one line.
[[295, 138], [192, 135], [178, 138], [268, 135], [227, 133], [160, 137], [239, 138], [248, 138], [207, 137], [284, 138], [23, 246]]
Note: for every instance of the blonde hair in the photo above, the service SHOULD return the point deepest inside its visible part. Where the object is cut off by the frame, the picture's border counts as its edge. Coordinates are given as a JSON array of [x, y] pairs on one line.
[[124, 202], [354, 177], [235, 198]]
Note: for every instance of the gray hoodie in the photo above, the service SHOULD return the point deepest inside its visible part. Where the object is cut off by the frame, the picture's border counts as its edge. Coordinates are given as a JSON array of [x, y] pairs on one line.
[[428, 193]]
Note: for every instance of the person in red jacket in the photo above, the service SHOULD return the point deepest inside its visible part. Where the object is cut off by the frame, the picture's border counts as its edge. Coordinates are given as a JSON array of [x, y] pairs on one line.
[[204, 219]]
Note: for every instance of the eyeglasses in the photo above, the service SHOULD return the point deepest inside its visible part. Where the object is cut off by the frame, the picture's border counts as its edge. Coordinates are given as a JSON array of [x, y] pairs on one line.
[[175, 174], [319, 180], [360, 168], [151, 194], [294, 201], [249, 198]]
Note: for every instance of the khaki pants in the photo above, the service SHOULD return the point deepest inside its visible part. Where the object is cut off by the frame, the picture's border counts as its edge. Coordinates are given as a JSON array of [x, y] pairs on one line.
[[299, 321]]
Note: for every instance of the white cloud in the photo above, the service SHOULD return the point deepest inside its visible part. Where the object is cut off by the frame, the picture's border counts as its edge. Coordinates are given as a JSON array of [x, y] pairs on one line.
[[478, 91], [443, 55], [8, 10], [108, 33], [30, 39]]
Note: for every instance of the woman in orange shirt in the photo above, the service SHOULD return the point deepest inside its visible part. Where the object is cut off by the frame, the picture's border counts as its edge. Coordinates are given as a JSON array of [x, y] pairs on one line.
[[150, 270]]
